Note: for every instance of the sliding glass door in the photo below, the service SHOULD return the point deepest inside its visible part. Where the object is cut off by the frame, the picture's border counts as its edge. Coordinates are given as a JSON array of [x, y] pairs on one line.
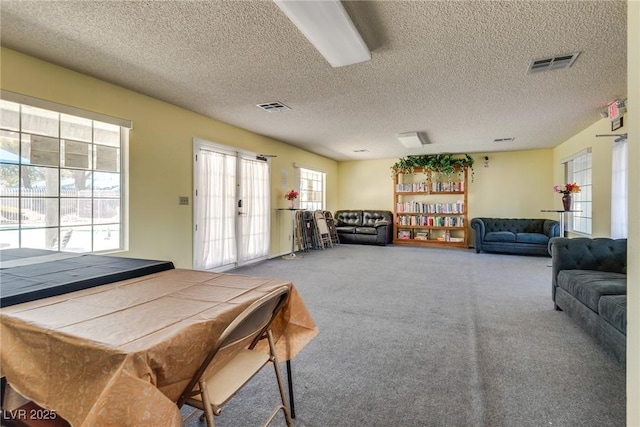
[[231, 207]]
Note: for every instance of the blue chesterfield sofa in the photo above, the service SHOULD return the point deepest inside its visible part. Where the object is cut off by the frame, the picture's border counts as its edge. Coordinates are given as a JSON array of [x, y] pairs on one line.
[[589, 283], [514, 235]]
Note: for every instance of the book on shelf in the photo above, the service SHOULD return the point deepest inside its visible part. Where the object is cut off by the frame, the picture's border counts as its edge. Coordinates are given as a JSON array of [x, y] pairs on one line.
[[448, 186], [404, 234], [415, 187], [431, 208], [421, 235], [430, 221]]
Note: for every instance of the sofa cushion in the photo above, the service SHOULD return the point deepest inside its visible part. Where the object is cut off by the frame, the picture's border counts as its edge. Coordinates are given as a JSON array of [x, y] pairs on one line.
[[500, 236], [366, 230], [514, 225], [536, 238], [613, 309], [370, 218], [346, 230], [587, 286], [348, 218]]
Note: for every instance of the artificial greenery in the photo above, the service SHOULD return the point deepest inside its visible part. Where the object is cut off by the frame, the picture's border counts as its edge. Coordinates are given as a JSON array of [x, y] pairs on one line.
[[443, 163]]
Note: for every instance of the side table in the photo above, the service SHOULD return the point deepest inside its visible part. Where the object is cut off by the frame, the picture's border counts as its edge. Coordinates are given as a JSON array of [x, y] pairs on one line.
[[292, 255], [561, 219]]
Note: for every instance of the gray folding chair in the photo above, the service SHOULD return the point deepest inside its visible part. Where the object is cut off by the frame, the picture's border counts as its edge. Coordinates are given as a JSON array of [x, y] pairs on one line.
[[331, 225], [324, 236], [210, 393]]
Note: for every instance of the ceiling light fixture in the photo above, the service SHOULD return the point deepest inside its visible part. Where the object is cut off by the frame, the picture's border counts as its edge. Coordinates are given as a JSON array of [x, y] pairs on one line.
[[411, 139], [328, 27]]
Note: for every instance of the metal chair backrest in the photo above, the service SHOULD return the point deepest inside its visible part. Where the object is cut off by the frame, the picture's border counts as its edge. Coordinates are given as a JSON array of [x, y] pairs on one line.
[[321, 222], [254, 321]]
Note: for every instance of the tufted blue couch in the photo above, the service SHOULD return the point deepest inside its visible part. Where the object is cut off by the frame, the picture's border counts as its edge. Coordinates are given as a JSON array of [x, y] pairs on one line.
[[514, 235], [589, 283]]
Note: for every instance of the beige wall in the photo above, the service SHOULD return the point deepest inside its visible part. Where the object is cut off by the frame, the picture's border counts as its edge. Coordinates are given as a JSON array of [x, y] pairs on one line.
[[633, 281], [516, 184], [601, 149], [366, 184], [160, 154]]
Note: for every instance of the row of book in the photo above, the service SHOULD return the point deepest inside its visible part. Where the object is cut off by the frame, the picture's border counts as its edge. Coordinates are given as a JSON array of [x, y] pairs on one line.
[[418, 207], [417, 187], [430, 221], [426, 235], [447, 186], [413, 187]]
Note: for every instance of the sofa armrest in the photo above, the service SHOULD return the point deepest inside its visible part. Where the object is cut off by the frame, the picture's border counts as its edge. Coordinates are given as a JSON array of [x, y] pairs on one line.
[[600, 254], [479, 227], [551, 228], [384, 234]]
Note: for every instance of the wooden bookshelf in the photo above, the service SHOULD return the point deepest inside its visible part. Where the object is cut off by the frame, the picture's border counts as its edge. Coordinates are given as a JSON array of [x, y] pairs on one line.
[[430, 209]]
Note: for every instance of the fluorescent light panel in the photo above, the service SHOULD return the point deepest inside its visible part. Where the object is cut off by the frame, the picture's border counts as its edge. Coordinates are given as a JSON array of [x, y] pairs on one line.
[[328, 27], [411, 139]]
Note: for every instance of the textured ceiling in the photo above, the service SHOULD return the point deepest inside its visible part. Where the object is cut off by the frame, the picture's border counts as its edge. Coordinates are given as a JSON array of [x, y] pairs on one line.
[[455, 71]]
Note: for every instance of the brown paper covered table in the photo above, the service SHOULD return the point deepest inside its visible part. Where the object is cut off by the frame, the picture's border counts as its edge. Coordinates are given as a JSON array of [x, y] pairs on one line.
[[121, 354]]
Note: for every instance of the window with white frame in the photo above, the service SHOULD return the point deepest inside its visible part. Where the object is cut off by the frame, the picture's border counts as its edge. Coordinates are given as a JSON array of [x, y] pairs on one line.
[[61, 178], [578, 170], [312, 189]]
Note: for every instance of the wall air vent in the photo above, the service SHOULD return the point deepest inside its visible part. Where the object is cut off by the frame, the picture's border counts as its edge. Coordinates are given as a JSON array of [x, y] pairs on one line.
[[554, 63], [273, 107], [504, 139]]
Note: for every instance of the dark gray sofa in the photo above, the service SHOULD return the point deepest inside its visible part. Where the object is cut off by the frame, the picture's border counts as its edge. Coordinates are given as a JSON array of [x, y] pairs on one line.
[[514, 235], [370, 227], [589, 283]]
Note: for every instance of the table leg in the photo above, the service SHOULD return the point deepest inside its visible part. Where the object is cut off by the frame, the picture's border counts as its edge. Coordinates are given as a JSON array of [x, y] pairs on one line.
[[292, 255], [290, 384]]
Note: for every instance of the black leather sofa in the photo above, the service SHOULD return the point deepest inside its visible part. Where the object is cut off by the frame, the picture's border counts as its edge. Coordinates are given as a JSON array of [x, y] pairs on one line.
[[521, 236], [364, 226], [589, 283]]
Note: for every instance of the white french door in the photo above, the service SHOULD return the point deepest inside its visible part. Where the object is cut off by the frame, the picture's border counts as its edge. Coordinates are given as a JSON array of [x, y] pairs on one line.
[[231, 207]]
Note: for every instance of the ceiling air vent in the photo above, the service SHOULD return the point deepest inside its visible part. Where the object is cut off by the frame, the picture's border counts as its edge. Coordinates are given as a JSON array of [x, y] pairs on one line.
[[504, 139], [554, 63], [273, 107]]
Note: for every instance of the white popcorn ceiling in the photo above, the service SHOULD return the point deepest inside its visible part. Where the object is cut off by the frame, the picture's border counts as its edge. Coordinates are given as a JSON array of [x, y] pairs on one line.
[[455, 71]]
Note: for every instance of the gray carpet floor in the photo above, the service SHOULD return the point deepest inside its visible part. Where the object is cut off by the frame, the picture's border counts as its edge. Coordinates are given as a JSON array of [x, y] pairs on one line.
[[434, 337]]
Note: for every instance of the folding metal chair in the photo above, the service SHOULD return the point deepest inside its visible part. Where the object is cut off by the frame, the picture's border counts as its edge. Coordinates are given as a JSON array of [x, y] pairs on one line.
[[211, 392], [324, 237], [331, 225]]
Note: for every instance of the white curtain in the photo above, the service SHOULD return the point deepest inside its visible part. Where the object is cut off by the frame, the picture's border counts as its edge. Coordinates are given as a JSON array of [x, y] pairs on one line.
[[254, 218], [619, 190], [216, 216]]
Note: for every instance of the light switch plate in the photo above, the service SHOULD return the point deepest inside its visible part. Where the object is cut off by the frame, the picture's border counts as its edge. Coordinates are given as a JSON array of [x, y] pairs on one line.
[[183, 200]]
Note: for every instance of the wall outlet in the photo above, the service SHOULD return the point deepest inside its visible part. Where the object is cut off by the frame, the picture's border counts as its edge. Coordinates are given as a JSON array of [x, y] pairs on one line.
[[183, 200]]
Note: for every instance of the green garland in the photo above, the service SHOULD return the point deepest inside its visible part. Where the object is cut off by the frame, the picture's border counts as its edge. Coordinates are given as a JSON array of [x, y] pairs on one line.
[[444, 163]]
